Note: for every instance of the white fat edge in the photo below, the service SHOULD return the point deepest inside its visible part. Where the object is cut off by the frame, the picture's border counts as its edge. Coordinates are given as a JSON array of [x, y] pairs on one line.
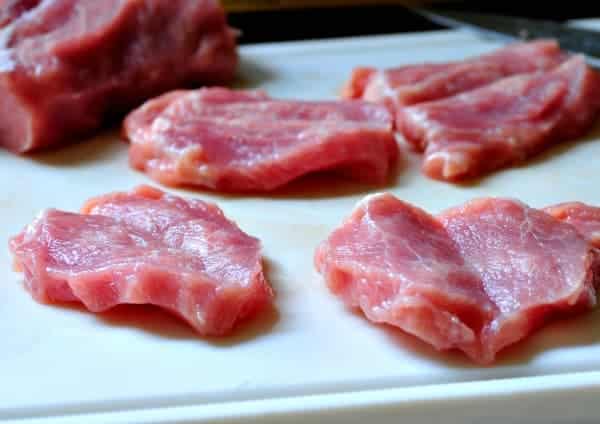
[[449, 158], [378, 88], [7, 62], [369, 197], [161, 124], [419, 116], [360, 205], [30, 229]]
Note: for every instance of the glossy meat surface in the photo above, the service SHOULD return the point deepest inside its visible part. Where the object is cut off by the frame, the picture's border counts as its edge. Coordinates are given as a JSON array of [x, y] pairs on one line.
[[476, 278], [531, 265], [503, 123], [245, 141], [146, 247], [413, 84], [399, 266], [585, 218], [68, 65]]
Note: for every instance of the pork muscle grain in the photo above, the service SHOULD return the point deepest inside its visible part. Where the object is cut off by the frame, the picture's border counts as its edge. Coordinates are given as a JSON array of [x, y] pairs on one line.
[[477, 278], [146, 247], [503, 123], [66, 65], [411, 84], [246, 141]]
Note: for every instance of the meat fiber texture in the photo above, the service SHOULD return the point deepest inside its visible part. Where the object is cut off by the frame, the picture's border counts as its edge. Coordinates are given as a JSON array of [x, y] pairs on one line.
[[583, 217], [476, 278], [245, 141], [413, 84], [146, 247], [503, 123], [66, 66]]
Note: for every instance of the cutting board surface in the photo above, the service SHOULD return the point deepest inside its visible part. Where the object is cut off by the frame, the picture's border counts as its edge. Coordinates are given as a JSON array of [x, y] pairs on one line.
[[62, 359]]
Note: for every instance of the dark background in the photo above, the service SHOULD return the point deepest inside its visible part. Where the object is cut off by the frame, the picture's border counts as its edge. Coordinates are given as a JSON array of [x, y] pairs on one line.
[[351, 21]]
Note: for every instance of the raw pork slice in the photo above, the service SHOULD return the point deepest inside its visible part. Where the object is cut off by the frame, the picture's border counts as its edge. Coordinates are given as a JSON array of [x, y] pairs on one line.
[[412, 84], [531, 266], [476, 278], [146, 247], [67, 65], [245, 141], [584, 217], [503, 123], [398, 264]]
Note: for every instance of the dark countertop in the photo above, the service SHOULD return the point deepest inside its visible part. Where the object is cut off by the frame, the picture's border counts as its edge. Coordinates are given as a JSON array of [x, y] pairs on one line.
[[303, 24]]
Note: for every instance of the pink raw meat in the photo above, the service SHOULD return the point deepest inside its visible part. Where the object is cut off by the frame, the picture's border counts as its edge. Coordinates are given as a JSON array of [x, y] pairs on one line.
[[502, 123], [245, 141], [477, 278], [531, 265], [584, 217], [398, 264], [68, 65], [146, 247], [413, 84]]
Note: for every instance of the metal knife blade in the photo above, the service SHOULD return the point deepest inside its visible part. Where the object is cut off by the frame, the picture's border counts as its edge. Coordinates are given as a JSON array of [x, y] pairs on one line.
[[575, 40]]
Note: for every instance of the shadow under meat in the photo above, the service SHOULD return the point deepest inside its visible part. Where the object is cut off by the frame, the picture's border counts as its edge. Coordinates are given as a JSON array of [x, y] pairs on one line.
[[313, 186], [150, 319], [582, 329], [251, 75], [547, 154], [104, 146], [326, 184], [417, 347], [563, 148], [561, 332], [155, 320]]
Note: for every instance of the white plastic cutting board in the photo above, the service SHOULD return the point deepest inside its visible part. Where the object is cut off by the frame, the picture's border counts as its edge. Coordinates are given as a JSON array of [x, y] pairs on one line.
[[311, 358]]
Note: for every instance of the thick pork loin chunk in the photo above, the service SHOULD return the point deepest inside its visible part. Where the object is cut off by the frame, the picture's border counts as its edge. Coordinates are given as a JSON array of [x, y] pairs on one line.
[[146, 247], [245, 141], [503, 123], [476, 278], [68, 65]]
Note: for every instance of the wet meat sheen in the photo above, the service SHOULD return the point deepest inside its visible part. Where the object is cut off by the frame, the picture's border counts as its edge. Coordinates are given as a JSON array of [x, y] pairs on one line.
[[146, 247], [476, 278], [411, 84], [503, 123], [245, 141], [66, 66], [584, 217]]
